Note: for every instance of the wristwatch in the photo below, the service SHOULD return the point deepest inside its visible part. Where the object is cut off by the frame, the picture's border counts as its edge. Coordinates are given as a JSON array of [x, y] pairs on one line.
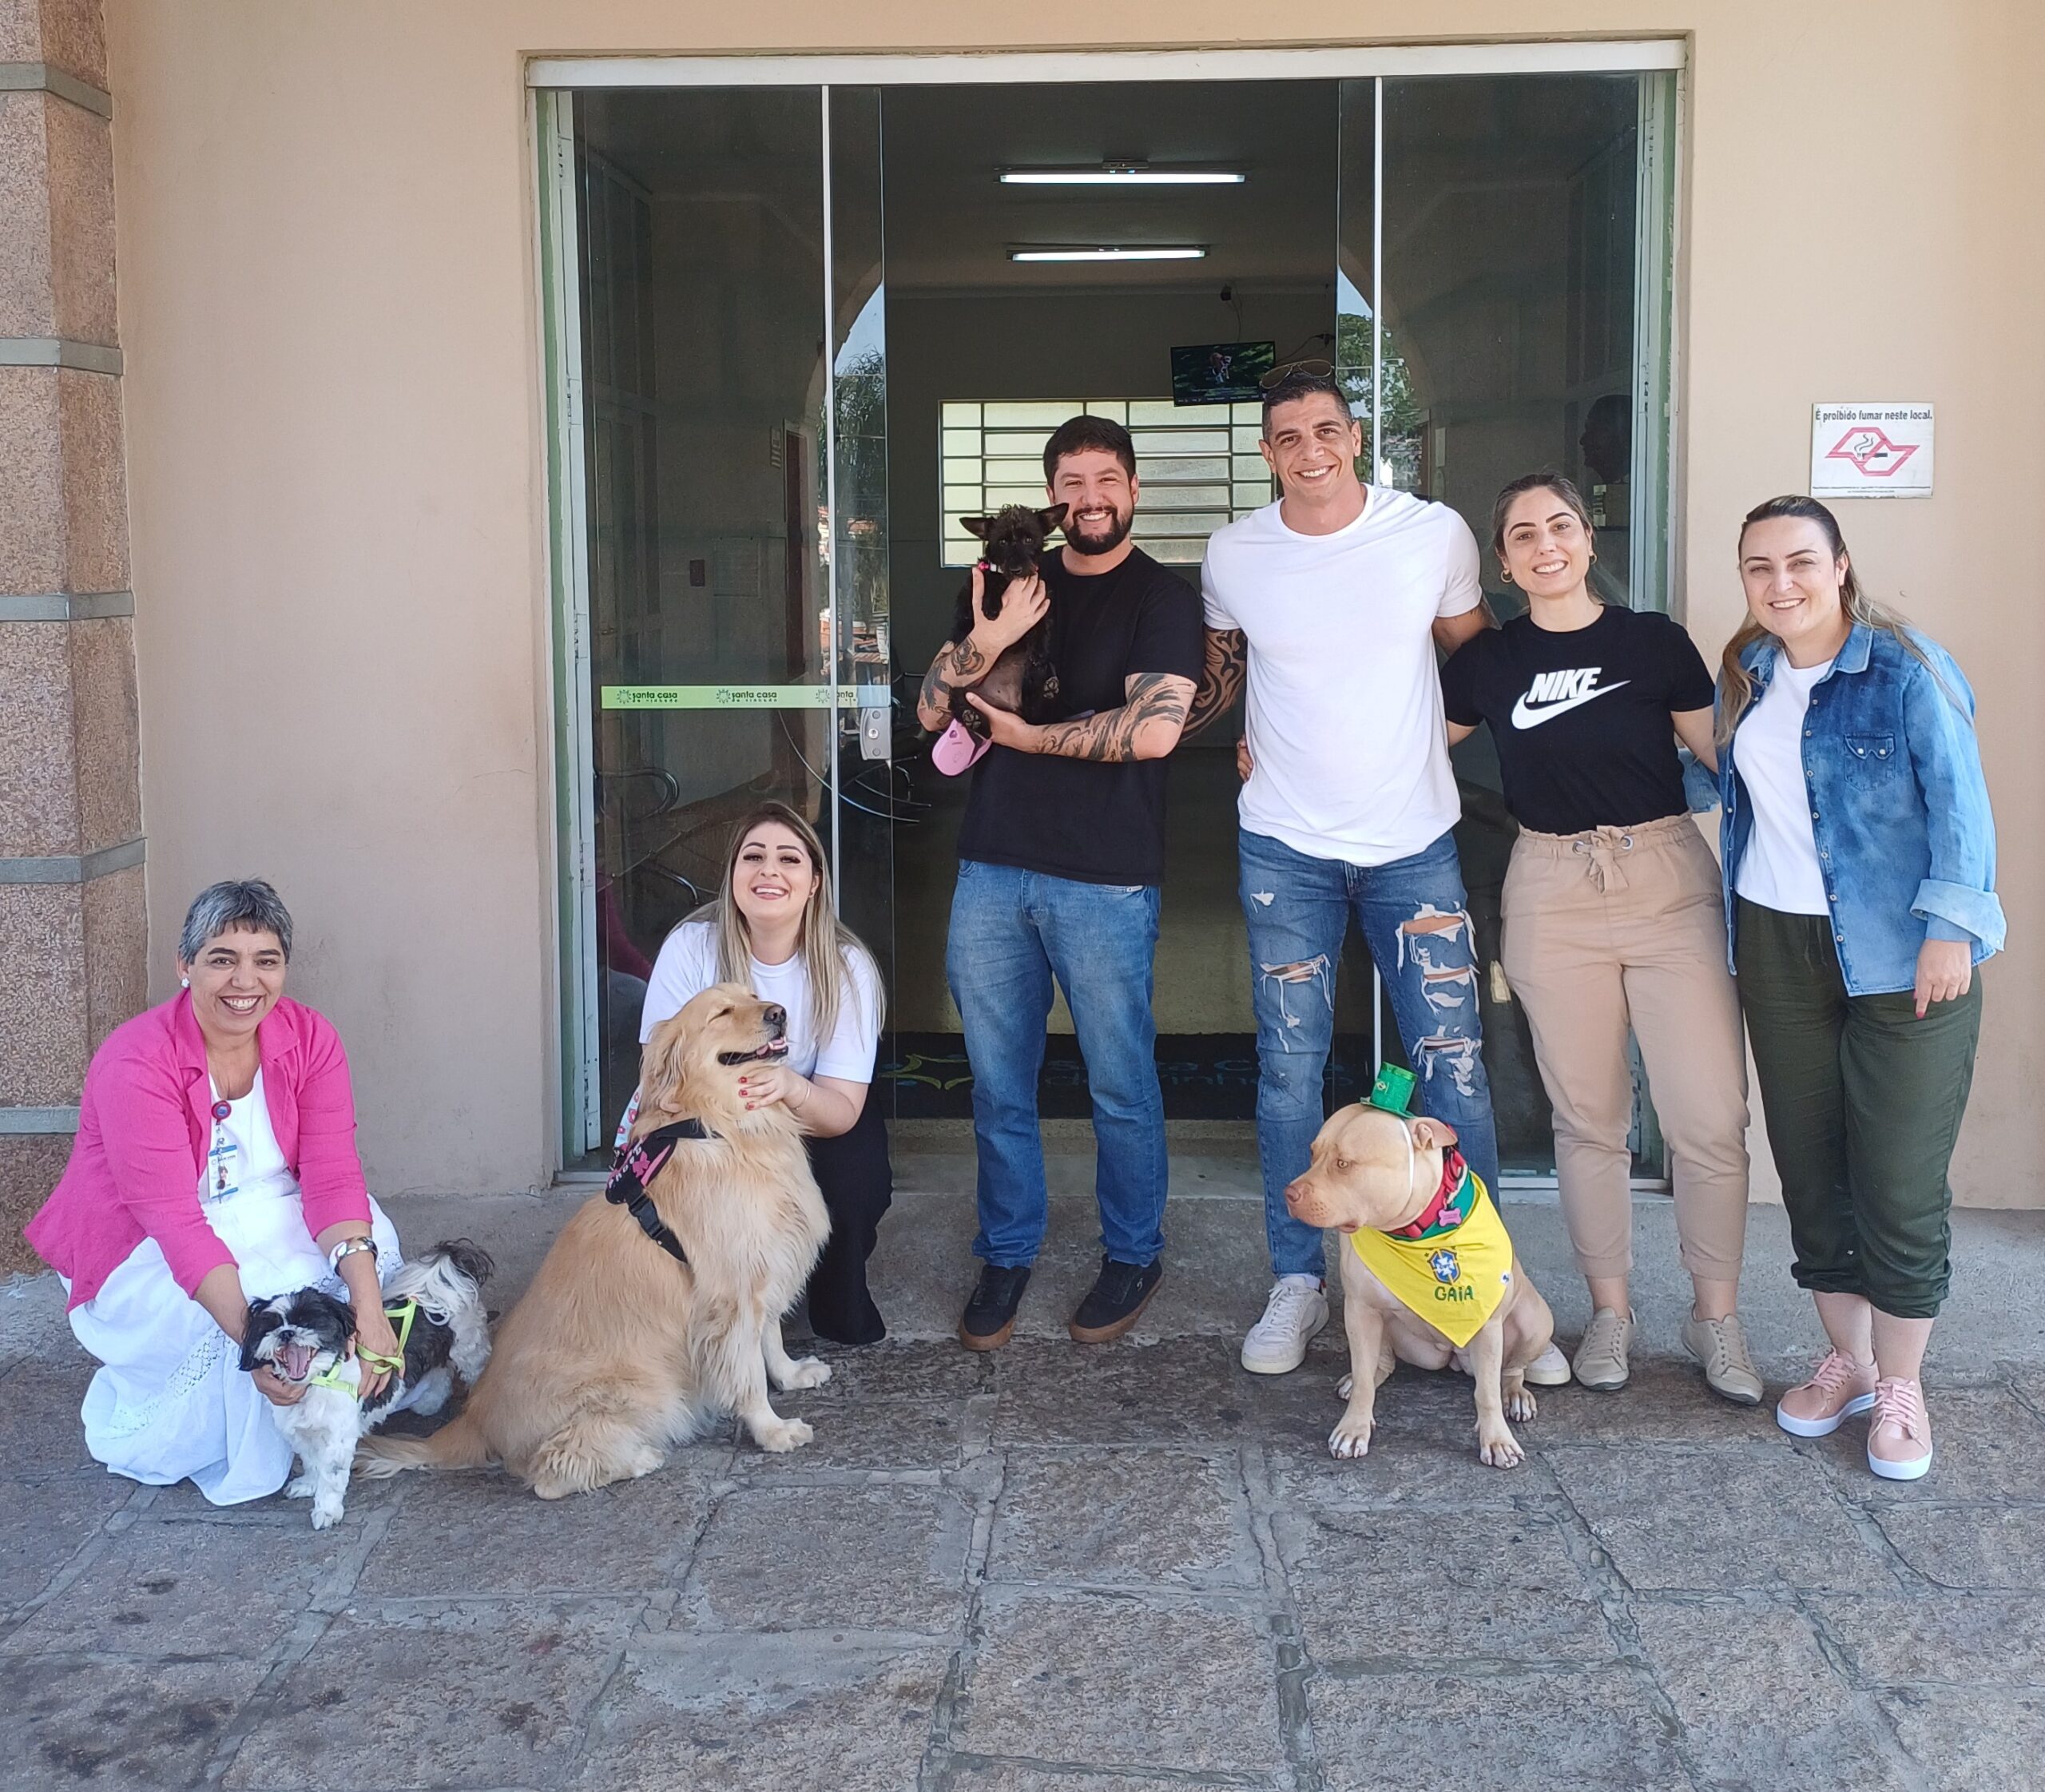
[[347, 1247]]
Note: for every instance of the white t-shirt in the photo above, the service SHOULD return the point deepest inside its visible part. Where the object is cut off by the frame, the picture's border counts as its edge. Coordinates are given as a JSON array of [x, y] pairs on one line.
[[243, 1156], [1779, 869], [1345, 718], [687, 965]]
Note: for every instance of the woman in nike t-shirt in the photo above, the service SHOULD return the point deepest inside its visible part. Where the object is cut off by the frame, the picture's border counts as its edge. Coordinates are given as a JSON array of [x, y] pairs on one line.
[[1613, 919]]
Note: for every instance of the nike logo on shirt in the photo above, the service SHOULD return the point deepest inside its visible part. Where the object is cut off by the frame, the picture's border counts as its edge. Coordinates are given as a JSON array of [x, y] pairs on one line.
[[1552, 694]]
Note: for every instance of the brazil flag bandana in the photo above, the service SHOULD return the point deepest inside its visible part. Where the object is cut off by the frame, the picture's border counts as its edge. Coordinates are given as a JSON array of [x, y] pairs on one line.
[[1455, 1273]]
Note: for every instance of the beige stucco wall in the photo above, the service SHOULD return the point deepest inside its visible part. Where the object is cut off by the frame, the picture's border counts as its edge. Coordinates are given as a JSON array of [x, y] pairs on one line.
[[327, 293]]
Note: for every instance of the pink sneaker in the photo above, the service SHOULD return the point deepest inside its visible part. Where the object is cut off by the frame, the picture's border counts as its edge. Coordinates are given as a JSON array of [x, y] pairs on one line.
[[1899, 1438], [1838, 1387], [956, 751]]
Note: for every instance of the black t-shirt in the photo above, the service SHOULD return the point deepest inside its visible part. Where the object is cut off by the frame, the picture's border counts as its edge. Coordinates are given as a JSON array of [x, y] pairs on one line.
[[1582, 718], [1073, 818]]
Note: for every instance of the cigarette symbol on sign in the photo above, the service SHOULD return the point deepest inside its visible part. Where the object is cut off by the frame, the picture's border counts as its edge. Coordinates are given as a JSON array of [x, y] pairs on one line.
[[1870, 451]]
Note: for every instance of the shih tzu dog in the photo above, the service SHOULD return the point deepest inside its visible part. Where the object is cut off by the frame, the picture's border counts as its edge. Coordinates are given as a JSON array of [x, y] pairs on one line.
[[304, 1337]]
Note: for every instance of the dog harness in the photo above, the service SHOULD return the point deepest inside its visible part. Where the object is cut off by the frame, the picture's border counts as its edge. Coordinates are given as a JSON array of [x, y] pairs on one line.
[[1453, 1265], [404, 1313], [331, 1377], [637, 1162]]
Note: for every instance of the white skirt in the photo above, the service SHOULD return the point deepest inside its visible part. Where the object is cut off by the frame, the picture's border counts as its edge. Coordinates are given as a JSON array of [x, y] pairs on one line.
[[171, 1402]]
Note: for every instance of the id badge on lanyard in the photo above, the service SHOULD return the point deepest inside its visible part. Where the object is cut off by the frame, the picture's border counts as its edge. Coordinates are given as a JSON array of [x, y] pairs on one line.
[[224, 1160]]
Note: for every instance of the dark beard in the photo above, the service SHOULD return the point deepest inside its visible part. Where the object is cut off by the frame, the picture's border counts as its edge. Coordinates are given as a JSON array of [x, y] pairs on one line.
[[1088, 546]]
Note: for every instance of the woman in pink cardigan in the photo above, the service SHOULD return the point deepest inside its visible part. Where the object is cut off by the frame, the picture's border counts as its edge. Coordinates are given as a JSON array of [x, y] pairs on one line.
[[215, 1163]]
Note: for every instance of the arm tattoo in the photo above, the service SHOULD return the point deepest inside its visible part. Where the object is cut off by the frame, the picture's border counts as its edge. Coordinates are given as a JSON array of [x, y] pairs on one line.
[[1220, 678], [958, 664], [1110, 737]]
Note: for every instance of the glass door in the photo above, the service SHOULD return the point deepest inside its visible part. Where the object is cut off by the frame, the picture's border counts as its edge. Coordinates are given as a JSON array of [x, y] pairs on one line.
[[714, 306], [716, 324], [1503, 290]]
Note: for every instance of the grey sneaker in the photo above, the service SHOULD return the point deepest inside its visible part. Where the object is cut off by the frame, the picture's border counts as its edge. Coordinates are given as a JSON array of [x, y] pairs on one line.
[[1721, 1347], [1600, 1360]]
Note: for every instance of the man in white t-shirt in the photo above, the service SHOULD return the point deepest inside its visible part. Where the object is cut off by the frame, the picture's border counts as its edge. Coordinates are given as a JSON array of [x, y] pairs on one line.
[[1337, 597]]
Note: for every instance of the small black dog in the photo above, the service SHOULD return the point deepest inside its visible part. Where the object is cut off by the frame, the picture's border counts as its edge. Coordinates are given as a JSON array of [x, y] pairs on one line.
[[1022, 679], [303, 1336]]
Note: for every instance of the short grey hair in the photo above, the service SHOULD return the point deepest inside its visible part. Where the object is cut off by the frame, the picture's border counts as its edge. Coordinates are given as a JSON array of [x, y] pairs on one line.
[[246, 903]]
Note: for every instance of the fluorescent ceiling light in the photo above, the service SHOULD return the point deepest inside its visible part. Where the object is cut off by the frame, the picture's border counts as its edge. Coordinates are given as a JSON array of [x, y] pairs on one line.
[[1122, 174], [1186, 252]]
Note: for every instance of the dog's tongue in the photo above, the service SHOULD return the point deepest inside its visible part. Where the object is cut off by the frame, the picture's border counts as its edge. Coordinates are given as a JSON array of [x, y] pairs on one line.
[[297, 1360]]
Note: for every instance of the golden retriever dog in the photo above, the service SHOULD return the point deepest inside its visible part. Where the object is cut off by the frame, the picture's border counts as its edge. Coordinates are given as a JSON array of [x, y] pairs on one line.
[[619, 1352], [1399, 1177]]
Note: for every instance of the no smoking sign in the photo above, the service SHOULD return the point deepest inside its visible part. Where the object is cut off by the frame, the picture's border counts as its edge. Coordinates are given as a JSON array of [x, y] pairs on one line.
[[1871, 451]]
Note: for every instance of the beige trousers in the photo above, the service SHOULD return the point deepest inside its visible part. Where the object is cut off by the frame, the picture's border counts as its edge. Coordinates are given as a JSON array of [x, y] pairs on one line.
[[1619, 927]]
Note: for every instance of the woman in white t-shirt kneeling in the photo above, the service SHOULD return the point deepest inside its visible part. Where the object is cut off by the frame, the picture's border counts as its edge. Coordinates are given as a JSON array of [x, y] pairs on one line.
[[775, 930]]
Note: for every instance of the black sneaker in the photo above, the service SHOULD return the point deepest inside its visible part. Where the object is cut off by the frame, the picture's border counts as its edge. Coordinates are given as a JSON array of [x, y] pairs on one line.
[[989, 1314], [1120, 1292]]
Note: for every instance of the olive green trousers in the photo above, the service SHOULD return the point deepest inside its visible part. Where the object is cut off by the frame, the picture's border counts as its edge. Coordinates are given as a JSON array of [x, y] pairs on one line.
[[1864, 1103]]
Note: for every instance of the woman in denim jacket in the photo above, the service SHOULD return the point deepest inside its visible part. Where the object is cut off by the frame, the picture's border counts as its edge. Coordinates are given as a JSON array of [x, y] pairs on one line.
[[1860, 871]]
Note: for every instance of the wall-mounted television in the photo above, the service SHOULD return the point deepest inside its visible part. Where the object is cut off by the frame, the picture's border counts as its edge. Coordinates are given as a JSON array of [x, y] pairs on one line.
[[1221, 372]]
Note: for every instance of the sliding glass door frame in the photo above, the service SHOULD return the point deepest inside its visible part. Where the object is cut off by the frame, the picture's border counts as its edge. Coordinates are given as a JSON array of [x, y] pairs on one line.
[[553, 82], [574, 741]]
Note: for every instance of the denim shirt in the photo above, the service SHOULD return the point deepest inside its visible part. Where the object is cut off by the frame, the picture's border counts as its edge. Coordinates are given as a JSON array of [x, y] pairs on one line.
[[1899, 808]]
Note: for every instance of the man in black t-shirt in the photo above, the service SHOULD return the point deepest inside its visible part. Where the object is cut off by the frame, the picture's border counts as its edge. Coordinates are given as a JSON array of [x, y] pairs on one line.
[[1060, 858]]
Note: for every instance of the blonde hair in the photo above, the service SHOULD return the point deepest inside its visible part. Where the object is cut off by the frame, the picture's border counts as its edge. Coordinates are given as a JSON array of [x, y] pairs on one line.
[[1736, 689], [825, 943]]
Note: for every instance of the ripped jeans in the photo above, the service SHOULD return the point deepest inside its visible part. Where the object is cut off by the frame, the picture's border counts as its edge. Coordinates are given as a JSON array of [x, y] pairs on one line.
[[1412, 914]]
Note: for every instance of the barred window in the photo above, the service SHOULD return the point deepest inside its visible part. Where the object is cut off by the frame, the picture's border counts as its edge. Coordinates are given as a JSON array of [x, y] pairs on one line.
[[1198, 465]]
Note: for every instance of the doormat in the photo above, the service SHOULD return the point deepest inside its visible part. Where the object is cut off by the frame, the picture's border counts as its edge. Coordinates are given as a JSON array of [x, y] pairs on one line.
[[1204, 1076]]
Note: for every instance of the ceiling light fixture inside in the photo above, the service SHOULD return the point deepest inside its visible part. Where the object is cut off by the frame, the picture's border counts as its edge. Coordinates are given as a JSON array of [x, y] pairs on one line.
[[1186, 251], [1122, 174]]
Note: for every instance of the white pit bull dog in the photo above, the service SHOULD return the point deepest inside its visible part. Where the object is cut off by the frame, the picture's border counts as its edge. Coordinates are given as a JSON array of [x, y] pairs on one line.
[[1428, 1273]]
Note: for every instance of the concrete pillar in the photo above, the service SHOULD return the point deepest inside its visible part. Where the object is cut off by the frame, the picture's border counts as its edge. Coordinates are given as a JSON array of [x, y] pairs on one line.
[[73, 929]]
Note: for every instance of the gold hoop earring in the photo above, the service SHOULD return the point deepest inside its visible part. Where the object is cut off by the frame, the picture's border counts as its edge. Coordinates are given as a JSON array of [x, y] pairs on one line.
[[1505, 574]]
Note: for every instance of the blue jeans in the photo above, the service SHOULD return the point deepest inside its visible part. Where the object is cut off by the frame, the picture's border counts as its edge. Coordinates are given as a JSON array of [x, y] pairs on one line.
[[1011, 932], [1418, 929]]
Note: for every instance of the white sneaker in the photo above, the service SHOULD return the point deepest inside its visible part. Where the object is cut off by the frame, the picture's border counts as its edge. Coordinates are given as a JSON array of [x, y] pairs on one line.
[[1277, 1343], [1550, 1369]]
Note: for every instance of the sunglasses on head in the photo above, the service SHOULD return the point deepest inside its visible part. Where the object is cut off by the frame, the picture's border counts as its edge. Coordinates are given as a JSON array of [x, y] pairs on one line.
[[1320, 369]]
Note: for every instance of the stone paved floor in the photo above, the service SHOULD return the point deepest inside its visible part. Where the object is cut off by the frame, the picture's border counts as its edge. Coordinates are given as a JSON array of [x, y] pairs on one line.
[[1063, 1571]]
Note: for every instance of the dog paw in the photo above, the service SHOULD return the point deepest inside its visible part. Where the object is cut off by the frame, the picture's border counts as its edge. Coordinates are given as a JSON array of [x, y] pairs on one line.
[[782, 1436], [300, 1489], [1522, 1406], [325, 1515], [807, 1371], [1342, 1388], [1499, 1449], [1350, 1439]]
